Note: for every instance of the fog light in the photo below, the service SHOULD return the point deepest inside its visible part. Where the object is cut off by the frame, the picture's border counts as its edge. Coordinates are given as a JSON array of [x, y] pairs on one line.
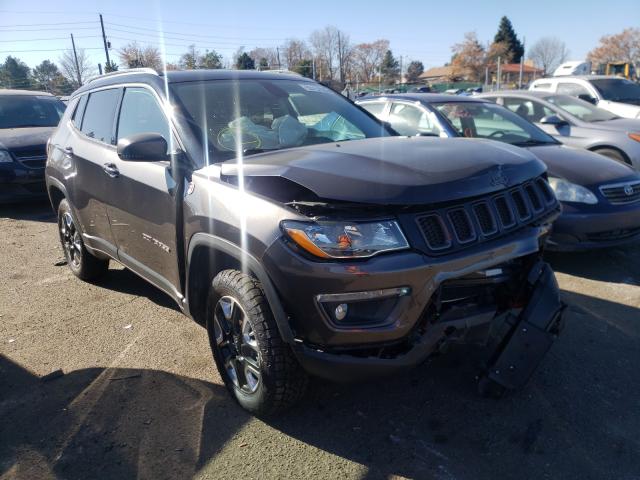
[[341, 311]]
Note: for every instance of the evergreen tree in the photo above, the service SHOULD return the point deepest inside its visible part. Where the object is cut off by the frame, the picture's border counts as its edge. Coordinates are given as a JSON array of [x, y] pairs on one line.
[[304, 67], [507, 35], [264, 64], [110, 67], [14, 73], [390, 67], [245, 62], [414, 70]]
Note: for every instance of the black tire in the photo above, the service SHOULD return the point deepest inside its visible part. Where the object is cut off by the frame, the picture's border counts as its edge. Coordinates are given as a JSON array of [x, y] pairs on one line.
[[265, 377], [82, 263], [613, 154]]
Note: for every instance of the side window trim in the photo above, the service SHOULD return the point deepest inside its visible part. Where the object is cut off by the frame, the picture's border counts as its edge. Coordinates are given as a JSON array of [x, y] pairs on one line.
[[80, 105]]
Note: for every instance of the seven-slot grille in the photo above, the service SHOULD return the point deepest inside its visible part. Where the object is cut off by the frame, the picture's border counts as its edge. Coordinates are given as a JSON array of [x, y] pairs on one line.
[[622, 193], [490, 217], [32, 157]]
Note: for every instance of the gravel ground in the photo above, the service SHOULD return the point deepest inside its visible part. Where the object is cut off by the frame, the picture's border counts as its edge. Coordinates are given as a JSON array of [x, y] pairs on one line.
[[138, 395]]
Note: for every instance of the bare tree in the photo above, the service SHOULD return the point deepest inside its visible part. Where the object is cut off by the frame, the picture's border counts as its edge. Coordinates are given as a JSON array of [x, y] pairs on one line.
[[368, 57], [133, 55], [549, 53], [621, 47], [270, 56], [294, 51], [83, 71], [331, 50]]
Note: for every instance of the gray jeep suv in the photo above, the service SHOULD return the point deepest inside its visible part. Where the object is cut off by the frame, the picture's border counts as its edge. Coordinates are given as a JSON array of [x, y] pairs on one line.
[[302, 233]]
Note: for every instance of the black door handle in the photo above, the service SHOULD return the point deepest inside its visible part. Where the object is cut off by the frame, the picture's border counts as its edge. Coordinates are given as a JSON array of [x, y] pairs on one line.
[[111, 170]]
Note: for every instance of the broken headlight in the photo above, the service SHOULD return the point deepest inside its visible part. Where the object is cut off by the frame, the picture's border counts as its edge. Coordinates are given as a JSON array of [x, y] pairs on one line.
[[346, 239]]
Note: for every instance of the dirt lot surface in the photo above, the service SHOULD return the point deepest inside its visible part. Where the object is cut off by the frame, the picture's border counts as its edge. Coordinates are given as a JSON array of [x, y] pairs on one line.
[[139, 397]]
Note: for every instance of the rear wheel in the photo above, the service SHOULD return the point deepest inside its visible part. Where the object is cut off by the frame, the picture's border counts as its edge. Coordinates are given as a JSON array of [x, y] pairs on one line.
[[256, 365], [82, 263], [613, 154]]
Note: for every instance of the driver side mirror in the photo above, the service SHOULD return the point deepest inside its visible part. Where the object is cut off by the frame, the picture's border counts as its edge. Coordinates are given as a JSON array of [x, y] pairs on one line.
[[554, 120], [588, 98], [143, 147]]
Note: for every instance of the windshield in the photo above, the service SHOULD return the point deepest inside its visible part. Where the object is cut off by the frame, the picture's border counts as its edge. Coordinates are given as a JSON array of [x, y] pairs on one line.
[[22, 111], [580, 109], [264, 114], [487, 120], [617, 89]]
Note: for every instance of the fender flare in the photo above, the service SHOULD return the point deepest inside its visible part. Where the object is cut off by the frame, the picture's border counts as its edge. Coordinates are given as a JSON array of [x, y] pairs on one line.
[[217, 243], [54, 182]]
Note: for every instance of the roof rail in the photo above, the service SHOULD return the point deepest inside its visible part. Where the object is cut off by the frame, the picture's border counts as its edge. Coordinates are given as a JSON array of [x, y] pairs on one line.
[[124, 72]]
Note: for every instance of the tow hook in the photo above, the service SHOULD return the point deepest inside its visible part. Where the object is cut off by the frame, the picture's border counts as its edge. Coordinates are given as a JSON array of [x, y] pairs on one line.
[[532, 333]]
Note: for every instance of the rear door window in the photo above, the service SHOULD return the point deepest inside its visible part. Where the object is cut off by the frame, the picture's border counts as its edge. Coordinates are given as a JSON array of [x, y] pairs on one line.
[[527, 109], [375, 108], [79, 111], [572, 89], [97, 122], [412, 120]]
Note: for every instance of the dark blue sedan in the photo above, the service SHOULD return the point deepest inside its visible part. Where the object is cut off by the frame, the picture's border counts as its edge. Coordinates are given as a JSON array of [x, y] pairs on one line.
[[600, 197]]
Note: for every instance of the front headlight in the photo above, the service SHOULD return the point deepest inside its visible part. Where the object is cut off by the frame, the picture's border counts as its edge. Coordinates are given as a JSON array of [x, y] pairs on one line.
[[346, 239], [570, 192], [5, 157]]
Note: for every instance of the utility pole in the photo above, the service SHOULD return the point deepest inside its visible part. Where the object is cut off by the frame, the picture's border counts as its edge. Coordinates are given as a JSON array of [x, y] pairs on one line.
[[278, 54], [521, 63], [313, 67], [498, 74], [106, 47], [75, 56], [401, 69], [100, 68]]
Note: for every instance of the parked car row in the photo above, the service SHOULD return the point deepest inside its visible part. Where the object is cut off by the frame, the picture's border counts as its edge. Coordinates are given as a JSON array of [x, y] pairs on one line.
[[27, 120], [600, 196]]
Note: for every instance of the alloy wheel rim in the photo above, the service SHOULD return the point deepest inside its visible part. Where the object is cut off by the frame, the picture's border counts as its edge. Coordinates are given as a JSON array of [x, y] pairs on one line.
[[236, 341], [70, 239]]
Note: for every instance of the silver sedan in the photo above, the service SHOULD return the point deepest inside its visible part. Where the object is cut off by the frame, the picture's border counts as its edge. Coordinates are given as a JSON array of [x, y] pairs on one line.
[[576, 123]]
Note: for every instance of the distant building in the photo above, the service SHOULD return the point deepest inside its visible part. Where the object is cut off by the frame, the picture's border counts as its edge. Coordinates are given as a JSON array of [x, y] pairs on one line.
[[510, 73], [437, 74]]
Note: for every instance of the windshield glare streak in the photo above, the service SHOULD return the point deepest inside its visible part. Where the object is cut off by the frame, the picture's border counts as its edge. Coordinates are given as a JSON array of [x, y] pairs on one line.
[[580, 109]]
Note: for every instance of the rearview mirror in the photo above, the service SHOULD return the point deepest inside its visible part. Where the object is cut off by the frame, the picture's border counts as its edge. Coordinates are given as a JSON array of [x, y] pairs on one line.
[[554, 120], [143, 147], [587, 98]]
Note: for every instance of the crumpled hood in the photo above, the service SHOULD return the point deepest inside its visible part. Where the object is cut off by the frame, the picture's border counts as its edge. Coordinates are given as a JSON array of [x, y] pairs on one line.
[[580, 166], [397, 170], [12, 138]]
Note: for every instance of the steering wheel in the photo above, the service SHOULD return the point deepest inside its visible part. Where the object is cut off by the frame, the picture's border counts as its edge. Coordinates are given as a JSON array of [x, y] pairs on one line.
[[497, 134]]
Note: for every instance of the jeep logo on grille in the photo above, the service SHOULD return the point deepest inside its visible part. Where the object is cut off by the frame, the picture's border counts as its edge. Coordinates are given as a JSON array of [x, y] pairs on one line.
[[499, 178], [628, 190]]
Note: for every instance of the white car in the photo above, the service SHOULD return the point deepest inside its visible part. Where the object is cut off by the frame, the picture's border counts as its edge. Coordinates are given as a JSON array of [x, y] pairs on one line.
[[618, 95]]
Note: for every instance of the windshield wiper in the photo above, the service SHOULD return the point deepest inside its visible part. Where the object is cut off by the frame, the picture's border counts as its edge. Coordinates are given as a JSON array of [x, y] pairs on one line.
[[531, 143]]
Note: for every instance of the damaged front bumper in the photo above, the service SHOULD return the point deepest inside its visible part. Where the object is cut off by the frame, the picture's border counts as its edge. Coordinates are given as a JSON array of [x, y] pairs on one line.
[[526, 333]]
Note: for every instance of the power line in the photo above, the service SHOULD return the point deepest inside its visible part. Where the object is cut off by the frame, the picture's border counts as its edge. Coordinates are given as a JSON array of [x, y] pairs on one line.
[[49, 50], [44, 24], [155, 30], [41, 29], [50, 38]]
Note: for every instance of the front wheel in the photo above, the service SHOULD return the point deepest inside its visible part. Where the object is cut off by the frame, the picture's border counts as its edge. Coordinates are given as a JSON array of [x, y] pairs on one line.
[[256, 365]]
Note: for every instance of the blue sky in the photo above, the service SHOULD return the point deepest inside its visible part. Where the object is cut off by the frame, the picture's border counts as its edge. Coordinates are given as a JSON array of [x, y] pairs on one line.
[[421, 30]]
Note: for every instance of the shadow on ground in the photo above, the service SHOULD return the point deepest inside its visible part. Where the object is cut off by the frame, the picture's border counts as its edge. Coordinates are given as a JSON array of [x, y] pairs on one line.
[[34, 210], [124, 280], [578, 418], [616, 265]]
